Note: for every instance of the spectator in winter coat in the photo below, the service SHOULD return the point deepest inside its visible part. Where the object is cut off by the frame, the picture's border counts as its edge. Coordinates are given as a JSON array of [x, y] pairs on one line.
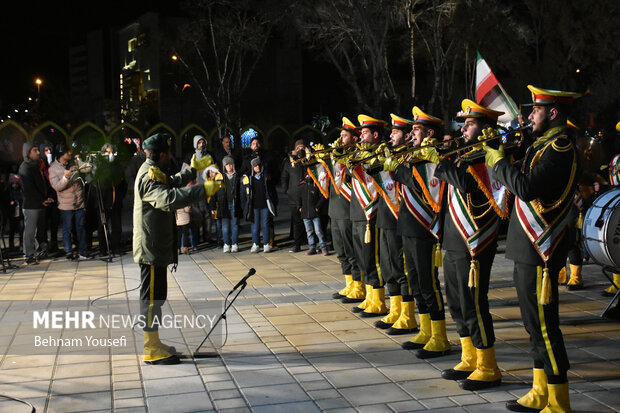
[[309, 202], [36, 198], [228, 206], [259, 201], [292, 175]]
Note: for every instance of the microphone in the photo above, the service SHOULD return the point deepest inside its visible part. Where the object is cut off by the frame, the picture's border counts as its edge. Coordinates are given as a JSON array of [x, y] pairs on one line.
[[250, 273]]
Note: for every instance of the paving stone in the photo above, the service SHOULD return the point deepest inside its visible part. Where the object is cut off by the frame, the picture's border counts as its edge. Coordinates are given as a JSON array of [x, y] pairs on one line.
[[178, 385], [281, 393], [261, 377], [300, 407], [355, 377], [80, 402], [186, 402], [406, 406], [381, 393], [230, 403]]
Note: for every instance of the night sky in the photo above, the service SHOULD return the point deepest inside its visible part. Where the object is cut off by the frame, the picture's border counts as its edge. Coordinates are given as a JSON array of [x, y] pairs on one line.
[[35, 38]]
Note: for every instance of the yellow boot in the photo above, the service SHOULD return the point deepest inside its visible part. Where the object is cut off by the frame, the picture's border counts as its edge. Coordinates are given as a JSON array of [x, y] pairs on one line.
[[562, 276], [423, 336], [575, 282], [438, 345], [536, 399], [406, 322], [348, 278], [357, 294], [154, 352], [468, 362], [394, 314], [559, 401], [362, 306], [487, 373], [613, 289], [376, 307]]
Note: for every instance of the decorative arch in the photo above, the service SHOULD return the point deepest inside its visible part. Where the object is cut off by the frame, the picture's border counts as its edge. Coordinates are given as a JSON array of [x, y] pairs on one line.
[[125, 125], [49, 124], [17, 126], [333, 134], [12, 138], [278, 140], [88, 125]]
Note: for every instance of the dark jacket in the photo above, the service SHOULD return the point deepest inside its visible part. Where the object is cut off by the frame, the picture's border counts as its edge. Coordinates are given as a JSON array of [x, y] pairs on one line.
[[547, 181], [290, 181], [309, 199], [220, 153], [229, 192], [247, 195], [338, 204], [32, 179]]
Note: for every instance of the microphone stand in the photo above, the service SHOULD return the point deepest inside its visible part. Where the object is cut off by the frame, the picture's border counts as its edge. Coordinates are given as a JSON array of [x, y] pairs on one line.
[[241, 286]]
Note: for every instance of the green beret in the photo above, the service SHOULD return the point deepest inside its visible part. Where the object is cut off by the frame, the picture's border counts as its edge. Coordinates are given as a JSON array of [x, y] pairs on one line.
[[160, 142]]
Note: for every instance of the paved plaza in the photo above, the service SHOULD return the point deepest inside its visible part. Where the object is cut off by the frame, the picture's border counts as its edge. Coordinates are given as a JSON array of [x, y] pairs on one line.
[[290, 348]]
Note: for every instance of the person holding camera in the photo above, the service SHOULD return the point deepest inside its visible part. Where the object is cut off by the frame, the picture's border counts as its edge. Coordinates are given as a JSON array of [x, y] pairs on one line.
[[70, 191]]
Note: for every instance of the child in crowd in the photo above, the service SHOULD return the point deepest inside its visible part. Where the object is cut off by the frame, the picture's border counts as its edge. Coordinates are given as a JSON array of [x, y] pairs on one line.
[[309, 203], [228, 205], [258, 200]]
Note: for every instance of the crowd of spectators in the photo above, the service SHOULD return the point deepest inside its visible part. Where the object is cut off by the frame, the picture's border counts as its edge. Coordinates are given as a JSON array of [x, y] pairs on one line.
[[83, 192]]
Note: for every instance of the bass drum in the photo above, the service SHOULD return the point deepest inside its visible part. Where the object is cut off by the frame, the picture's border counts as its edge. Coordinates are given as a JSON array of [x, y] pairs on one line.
[[601, 229]]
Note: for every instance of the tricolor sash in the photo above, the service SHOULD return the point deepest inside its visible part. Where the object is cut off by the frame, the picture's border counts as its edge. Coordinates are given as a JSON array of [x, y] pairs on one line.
[[496, 193], [476, 238], [345, 191], [365, 191], [388, 188], [433, 188], [544, 236], [335, 171], [319, 175], [421, 211]]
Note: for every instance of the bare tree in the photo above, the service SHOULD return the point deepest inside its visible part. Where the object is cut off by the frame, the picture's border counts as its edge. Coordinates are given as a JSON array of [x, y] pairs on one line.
[[353, 35], [219, 48]]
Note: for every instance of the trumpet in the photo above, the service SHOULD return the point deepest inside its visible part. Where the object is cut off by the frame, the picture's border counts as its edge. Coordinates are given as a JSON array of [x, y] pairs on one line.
[[476, 146]]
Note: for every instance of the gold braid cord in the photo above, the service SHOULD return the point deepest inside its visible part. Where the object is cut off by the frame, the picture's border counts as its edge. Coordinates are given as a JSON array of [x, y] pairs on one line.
[[537, 203]]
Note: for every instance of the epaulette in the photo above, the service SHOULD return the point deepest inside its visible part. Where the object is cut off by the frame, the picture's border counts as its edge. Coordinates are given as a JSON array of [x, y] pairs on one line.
[[562, 144], [155, 174], [219, 177], [245, 180]]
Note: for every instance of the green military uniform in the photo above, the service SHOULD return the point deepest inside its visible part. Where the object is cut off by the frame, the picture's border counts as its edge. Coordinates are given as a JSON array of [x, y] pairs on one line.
[[543, 182], [156, 197]]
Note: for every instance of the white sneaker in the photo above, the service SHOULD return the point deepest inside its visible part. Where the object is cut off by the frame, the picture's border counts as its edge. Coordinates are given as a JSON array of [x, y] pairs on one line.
[[254, 248], [226, 248], [267, 248], [235, 248]]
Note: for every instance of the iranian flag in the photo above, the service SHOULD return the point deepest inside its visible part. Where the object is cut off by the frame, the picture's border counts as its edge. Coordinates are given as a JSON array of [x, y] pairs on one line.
[[491, 94]]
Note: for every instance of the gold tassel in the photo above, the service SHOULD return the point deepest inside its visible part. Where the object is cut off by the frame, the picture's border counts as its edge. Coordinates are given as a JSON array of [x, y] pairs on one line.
[[474, 274], [438, 260], [580, 221], [367, 235], [545, 290]]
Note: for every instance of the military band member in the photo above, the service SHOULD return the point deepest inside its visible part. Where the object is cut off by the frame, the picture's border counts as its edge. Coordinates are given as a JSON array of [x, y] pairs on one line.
[[342, 235], [470, 241], [391, 259], [419, 226], [543, 182], [363, 220]]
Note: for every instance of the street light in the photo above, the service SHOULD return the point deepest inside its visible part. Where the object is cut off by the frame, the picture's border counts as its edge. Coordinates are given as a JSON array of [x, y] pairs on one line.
[[38, 82], [174, 57]]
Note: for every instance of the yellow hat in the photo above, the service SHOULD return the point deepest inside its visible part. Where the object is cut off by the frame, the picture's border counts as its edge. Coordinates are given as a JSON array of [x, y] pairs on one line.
[[618, 126], [420, 117], [348, 125], [366, 121], [473, 110], [400, 123], [570, 124], [541, 97]]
